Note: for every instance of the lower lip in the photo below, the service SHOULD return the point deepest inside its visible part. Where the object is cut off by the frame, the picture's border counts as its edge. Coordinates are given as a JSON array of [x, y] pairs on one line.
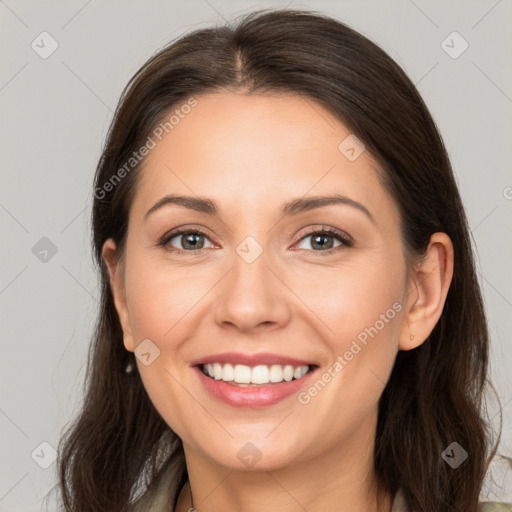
[[252, 396]]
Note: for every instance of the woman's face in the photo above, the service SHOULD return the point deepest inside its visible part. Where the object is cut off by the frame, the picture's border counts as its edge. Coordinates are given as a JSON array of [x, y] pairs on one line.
[[264, 279]]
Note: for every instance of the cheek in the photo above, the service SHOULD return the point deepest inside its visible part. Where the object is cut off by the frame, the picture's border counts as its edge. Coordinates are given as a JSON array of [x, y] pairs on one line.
[[361, 344], [162, 302], [340, 308], [160, 297], [354, 296], [358, 310], [344, 301]]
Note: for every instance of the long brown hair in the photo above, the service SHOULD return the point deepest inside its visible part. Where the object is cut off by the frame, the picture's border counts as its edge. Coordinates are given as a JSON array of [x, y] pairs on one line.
[[119, 446]]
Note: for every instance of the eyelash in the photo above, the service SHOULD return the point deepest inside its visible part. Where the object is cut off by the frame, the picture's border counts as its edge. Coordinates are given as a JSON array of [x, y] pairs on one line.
[[346, 241]]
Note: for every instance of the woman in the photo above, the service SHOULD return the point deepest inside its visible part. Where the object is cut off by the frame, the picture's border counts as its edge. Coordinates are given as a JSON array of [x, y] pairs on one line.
[[290, 313]]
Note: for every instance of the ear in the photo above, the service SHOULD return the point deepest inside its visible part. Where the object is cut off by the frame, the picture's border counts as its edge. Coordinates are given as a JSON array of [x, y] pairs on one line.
[[117, 287], [427, 290]]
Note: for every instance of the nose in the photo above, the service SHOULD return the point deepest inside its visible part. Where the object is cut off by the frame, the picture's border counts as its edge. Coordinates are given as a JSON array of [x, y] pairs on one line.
[[251, 297]]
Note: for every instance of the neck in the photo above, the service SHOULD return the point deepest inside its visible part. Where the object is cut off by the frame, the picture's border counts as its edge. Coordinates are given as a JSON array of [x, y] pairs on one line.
[[339, 479]]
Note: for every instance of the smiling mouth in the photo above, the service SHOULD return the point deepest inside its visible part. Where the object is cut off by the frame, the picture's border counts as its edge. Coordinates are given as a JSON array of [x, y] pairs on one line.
[[253, 376]]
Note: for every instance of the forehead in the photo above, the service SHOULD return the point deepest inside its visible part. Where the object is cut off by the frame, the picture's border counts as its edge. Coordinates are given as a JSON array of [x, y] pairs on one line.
[[254, 151]]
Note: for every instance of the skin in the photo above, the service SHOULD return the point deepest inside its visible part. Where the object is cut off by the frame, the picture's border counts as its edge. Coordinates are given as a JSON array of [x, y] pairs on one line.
[[235, 149]]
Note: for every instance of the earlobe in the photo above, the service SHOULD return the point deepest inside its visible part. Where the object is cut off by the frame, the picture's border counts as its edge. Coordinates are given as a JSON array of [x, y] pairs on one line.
[[118, 291], [429, 285]]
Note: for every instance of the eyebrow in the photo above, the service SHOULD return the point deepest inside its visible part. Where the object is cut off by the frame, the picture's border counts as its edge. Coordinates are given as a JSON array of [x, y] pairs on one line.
[[294, 207]]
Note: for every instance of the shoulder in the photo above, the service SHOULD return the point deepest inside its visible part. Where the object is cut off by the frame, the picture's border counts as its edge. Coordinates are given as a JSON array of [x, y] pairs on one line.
[[163, 491], [400, 505], [494, 506]]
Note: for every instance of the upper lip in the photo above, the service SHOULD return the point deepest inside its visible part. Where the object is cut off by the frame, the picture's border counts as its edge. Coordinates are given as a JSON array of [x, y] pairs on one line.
[[251, 359]]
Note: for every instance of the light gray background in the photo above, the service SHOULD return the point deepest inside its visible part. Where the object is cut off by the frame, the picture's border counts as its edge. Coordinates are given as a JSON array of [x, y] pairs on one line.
[[55, 113]]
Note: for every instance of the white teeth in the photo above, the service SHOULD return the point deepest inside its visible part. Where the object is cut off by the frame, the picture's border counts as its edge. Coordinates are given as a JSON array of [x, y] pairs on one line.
[[276, 373], [288, 373], [261, 374], [228, 372], [217, 371], [242, 374]]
